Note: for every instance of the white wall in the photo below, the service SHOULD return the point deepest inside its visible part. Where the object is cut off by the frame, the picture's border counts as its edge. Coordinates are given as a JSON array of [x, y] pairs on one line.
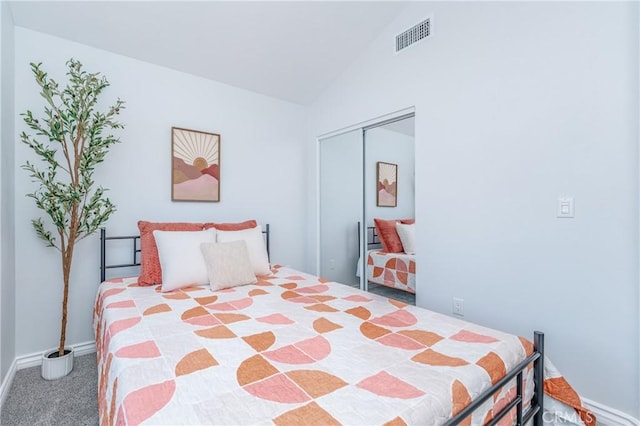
[[7, 137], [390, 147], [262, 173], [517, 104]]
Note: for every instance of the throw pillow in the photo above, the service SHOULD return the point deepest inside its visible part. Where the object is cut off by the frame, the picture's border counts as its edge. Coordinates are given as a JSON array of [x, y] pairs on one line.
[[228, 264], [150, 271], [181, 259], [255, 244], [388, 235], [237, 226], [407, 234]]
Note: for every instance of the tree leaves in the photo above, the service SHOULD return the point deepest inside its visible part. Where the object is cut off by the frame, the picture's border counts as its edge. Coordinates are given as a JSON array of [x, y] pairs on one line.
[[69, 141], [70, 138]]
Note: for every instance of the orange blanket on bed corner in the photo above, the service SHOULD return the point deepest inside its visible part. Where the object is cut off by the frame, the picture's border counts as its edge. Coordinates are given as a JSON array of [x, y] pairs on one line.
[[556, 386]]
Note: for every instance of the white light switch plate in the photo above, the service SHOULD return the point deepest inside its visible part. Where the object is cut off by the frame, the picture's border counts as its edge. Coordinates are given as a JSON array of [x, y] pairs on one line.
[[565, 207]]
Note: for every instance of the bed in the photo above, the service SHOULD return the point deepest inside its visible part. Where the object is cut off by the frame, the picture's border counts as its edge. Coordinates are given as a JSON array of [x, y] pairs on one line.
[[395, 270], [295, 349]]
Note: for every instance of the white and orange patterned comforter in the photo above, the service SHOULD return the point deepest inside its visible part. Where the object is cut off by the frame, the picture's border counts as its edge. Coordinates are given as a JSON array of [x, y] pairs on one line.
[[396, 270], [291, 349]]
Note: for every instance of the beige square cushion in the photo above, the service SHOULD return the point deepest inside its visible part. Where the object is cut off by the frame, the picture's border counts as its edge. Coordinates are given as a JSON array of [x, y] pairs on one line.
[[228, 264]]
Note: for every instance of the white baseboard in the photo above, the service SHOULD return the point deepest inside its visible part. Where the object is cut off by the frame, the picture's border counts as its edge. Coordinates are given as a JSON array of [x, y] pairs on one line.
[[35, 359], [6, 384], [608, 416]]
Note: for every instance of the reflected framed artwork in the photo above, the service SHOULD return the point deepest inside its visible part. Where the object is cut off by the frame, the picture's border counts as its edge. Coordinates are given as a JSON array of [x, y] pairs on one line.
[[195, 165], [387, 191]]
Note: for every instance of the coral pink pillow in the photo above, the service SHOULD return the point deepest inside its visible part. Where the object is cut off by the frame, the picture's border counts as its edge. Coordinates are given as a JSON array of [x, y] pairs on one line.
[[248, 224], [388, 235], [150, 270]]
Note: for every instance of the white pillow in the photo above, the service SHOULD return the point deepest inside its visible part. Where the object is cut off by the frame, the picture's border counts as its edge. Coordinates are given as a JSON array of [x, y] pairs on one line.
[[228, 264], [255, 245], [181, 261], [407, 234]]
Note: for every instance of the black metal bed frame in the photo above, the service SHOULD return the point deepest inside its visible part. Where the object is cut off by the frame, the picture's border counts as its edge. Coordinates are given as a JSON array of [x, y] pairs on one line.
[[135, 260], [373, 241], [535, 409]]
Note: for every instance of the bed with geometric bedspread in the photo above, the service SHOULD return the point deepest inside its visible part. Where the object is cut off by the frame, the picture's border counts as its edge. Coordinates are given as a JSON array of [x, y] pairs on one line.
[[295, 349], [395, 270]]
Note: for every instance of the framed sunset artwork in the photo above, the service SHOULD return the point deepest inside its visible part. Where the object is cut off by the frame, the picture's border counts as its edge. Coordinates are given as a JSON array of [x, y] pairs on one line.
[[195, 165], [387, 189]]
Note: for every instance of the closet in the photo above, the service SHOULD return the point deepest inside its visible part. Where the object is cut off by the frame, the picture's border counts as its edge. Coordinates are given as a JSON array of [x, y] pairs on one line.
[[366, 173]]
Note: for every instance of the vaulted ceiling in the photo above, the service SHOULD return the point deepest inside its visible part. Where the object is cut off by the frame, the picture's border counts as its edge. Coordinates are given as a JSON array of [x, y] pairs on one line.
[[287, 50]]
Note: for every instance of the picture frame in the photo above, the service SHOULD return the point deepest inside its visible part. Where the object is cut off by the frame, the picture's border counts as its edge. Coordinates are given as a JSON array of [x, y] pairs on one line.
[[195, 165], [387, 184]]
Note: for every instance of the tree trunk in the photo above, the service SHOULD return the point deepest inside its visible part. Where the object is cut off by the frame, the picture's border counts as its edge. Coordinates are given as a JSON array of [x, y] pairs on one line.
[[67, 257]]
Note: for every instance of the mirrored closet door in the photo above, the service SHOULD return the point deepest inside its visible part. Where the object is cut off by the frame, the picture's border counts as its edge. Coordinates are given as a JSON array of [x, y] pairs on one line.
[[367, 179], [341, 201], [389, 188]]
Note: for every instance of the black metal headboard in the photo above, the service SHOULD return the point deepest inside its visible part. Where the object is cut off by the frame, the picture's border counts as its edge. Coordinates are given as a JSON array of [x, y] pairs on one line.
[[373, 241], [135, 244], [135, 240]]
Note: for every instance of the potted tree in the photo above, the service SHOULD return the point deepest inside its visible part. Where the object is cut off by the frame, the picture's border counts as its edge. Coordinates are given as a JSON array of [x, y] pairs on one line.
[[69, 140]]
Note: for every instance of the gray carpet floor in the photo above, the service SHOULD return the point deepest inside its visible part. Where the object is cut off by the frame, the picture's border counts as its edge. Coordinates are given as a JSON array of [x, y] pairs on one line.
[[391, 293], [71, 400]]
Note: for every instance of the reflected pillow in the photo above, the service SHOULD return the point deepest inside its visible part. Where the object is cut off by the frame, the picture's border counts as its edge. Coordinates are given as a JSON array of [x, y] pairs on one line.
[[181, 259], [150, 271], [228, 264], [255, 245], [386, 230], [407, 234]]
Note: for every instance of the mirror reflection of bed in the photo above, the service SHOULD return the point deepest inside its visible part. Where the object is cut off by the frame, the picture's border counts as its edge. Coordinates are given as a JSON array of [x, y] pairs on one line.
[[367, 175], [388, 274]]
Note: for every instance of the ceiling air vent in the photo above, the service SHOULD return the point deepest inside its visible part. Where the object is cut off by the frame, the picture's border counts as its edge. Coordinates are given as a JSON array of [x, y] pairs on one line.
[[413, 35]]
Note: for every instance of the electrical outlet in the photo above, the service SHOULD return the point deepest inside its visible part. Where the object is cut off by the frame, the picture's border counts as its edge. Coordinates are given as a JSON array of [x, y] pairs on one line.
[[332, 264], [458, 306]]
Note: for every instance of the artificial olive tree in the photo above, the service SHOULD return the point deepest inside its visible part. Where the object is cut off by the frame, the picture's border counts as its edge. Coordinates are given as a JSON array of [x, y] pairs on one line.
[[70, 139]]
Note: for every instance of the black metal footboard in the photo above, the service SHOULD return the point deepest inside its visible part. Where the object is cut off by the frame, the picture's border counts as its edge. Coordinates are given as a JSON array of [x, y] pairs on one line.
[[535, 410]]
